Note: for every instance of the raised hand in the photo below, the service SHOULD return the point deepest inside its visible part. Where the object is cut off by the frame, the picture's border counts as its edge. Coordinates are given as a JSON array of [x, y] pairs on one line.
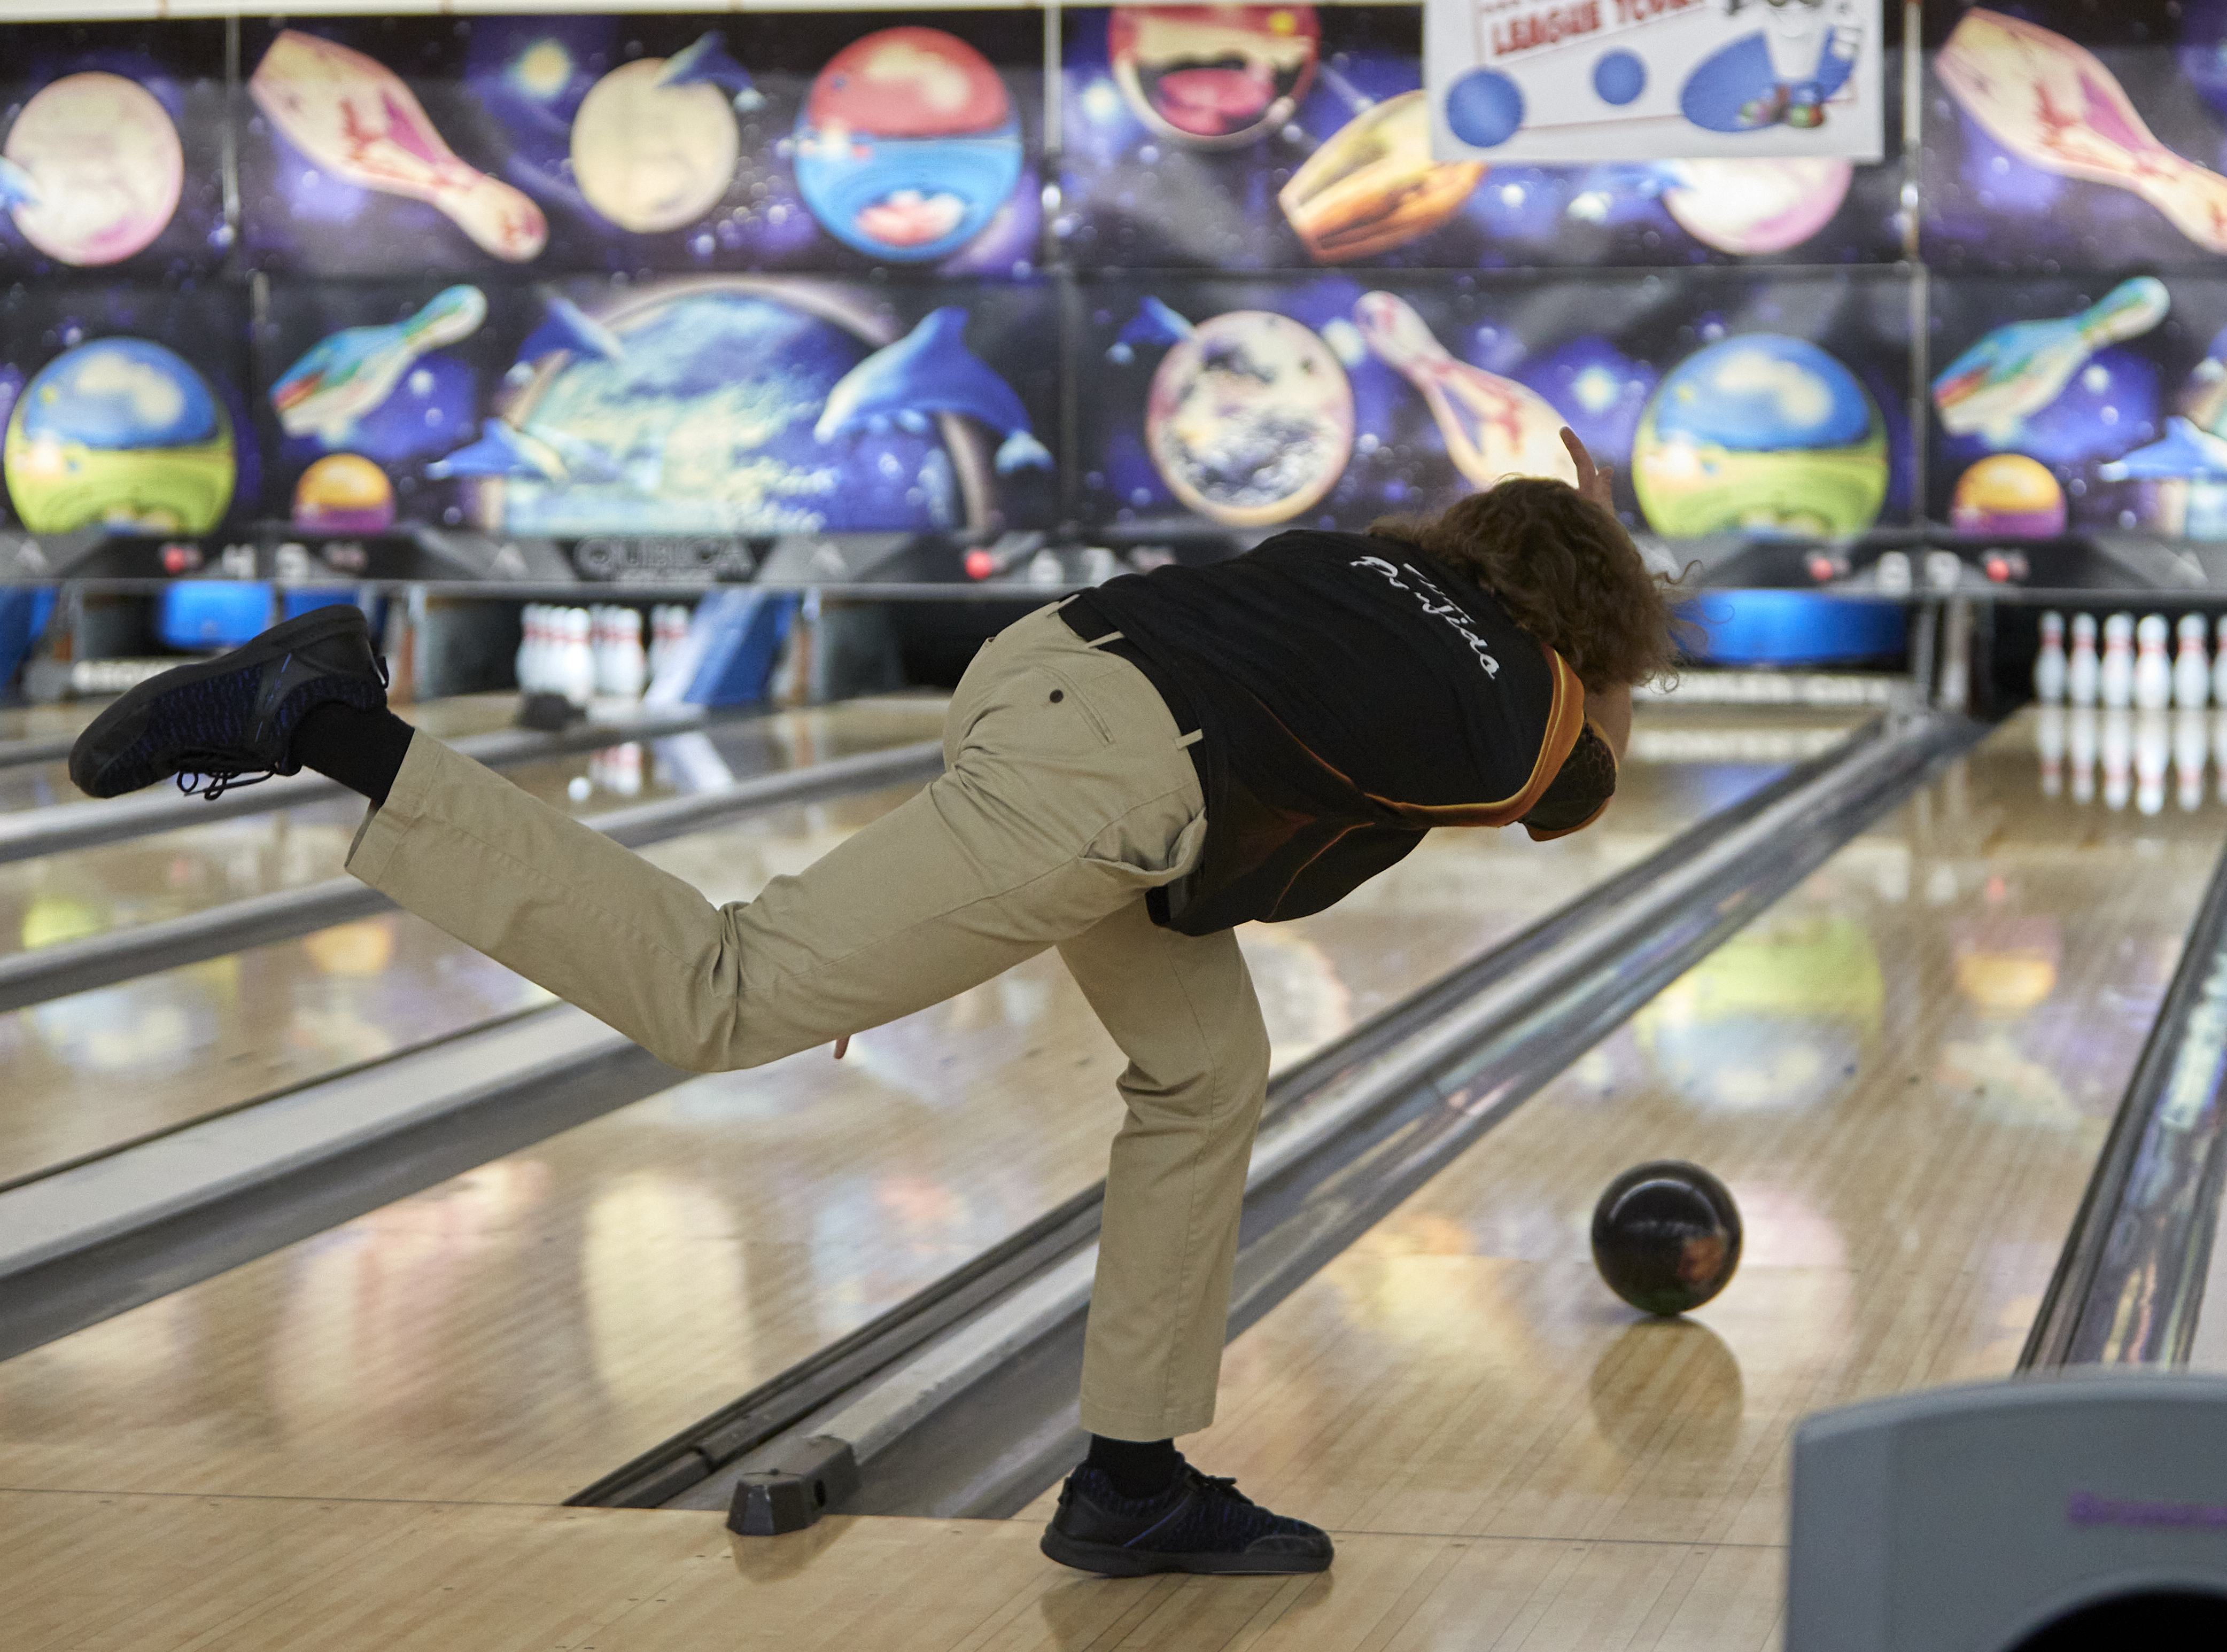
[[1593, 479]]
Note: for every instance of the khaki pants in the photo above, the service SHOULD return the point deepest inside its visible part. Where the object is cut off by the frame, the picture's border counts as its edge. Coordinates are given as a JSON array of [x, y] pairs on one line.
[[1067, 794]]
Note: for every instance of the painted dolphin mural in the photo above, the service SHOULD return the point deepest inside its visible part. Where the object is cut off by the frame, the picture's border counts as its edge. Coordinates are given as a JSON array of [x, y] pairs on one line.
[[503, 449], [708, 63], [930, 371]]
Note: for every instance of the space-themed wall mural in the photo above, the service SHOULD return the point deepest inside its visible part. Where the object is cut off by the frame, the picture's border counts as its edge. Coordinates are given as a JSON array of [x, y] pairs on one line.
[[1278, 137], [1133, 274], [1729, 403], [797, 141], [702, 404]]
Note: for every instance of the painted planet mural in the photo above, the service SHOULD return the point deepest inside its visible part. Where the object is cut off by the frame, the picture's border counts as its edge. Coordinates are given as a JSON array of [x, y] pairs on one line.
[[1212, 76], [1760, 434], [97, 169], [123, 432], [2008, 496], [344, 493], [1249, 418], [908, 144], [705, 422], [652, 157], [1752, 206]]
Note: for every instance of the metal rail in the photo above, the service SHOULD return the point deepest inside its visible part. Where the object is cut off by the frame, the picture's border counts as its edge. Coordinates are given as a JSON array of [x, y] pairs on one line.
[[2129, 1281], [47, 749], [61, 827], [125, 954], [993, 1353]]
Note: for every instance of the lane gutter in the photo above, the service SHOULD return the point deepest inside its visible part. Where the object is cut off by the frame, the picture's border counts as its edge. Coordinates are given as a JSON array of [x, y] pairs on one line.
[[2129, 1283]]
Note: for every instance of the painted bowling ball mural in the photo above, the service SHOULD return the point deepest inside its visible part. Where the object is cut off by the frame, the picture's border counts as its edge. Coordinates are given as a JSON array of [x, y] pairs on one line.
[[1212, 76], [2008, 496], [91, 169], [121, 432], [650, 156], [344, 493], [1249, 418], [1752, 206], [1760, 434], [709, 419], [908, 144]]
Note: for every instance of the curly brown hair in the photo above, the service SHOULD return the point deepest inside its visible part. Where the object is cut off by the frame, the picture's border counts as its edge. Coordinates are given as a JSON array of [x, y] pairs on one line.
[[1564, 570]]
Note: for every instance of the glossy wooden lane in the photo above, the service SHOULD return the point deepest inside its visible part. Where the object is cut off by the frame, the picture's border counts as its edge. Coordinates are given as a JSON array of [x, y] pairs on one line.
[[86, 1072], [1904, 1071], [520, 1330], [276, 1574]]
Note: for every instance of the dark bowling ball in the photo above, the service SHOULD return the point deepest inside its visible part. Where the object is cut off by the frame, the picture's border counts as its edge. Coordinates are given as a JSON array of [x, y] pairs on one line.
[[1666, 1236]]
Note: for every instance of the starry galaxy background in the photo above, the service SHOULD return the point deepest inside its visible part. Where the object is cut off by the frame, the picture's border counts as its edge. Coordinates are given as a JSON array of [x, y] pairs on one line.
[[502, 91], [1596, 350], [1576, 282], [1130, 199]]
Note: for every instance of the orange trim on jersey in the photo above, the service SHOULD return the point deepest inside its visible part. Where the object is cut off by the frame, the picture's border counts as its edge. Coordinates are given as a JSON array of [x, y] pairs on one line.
[[1565, 720]]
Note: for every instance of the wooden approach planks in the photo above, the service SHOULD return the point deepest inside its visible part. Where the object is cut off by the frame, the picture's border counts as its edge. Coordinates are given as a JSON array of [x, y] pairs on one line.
[[89, 1573]]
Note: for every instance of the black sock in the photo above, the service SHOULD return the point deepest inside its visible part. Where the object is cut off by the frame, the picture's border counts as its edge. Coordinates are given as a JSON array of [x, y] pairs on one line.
[[363, 750], [1138, 1468]]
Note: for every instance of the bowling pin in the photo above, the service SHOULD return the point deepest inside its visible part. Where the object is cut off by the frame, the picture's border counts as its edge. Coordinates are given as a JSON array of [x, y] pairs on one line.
[[1893, 572], [1944, 569], [2115, 678], [2049, 740], [2080, 750], [2118, 743], [2082, 672], [2191, 744], [575, 675], [2153, 746], [2219, 666], [1492, 427], [2192, 665], [2049, 664], [528, 628], [600, 639], [2053, 104], [357, 120], [627, 669], [2152, 672]]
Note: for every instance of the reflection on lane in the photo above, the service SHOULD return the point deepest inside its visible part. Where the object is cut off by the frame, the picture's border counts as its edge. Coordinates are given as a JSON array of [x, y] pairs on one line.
[[1904, 1071], [517, 1331]]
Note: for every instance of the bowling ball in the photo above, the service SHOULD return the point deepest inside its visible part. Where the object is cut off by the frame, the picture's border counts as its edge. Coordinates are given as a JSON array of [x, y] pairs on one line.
[[906, 144], [1760, 434], [1666, 1236], [1213, 77], [105, 160], [344, 493], [123, 432], [1249, 418], [2008, 496]]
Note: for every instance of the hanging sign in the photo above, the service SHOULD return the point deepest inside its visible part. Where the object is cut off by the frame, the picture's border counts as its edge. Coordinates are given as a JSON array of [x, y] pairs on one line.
[[1645, 80]]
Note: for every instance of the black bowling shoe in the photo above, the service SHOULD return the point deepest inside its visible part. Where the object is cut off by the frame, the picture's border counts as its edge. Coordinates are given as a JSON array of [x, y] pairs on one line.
[[211, 723], [1199, 1524]]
